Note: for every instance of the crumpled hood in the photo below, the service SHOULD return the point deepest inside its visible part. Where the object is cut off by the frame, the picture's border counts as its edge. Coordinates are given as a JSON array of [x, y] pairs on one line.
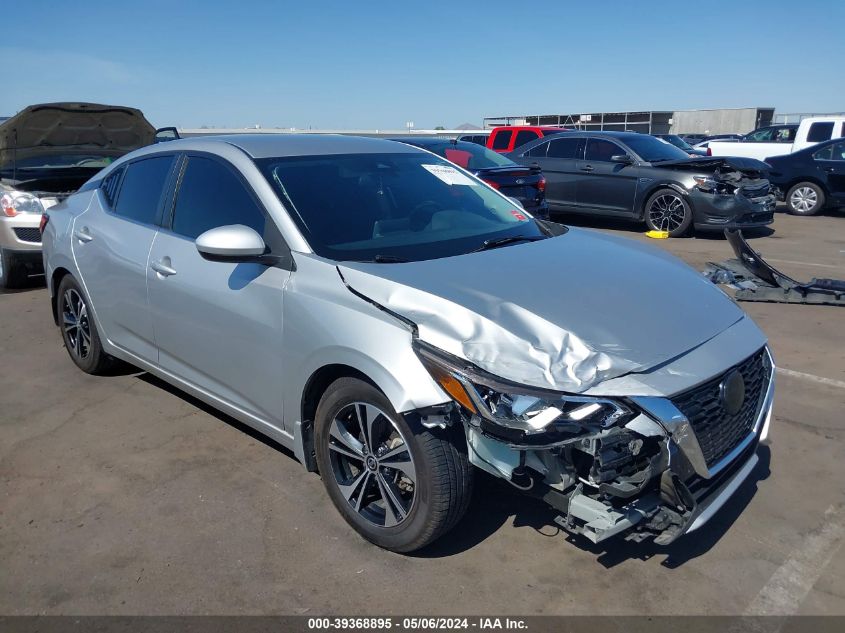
[[563, 313], [51, 128], [748, 166]]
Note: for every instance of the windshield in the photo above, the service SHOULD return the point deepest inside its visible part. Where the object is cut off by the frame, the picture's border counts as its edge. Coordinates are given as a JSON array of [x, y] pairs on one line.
[[469, 155], [654, 150], [677, 141], [392, 207]]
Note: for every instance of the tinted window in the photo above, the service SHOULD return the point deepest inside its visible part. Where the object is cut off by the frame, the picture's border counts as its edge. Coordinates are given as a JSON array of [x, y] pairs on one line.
[[525, 136], [210, 196], [502, 139], [563, 148], [412, 206], [109, 186], [601, 150], [652, 149], [821, 131], [539, 151], [140, 192], [831, 152]]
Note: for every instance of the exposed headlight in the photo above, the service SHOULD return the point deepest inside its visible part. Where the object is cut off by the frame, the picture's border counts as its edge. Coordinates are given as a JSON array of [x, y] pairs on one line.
[[708, 185], [16, 202], [516, 412]]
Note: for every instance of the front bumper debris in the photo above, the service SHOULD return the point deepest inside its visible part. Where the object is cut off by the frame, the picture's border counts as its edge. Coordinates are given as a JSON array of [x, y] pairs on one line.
[[755, 280], [648, 479]]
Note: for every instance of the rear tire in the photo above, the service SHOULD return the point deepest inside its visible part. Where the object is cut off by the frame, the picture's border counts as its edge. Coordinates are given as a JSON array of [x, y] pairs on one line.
[[805, 198], [400, 489], [79, 332], [666, 210], [12, 273]]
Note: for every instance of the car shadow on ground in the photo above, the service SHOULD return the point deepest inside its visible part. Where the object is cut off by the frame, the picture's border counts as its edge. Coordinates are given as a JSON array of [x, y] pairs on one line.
[[495, 504], [35, 282], [631, 226]]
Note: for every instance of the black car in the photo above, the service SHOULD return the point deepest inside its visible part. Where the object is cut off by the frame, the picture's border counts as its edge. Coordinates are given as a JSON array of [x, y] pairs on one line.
[[626, 174], [812, 178], [522, 183]]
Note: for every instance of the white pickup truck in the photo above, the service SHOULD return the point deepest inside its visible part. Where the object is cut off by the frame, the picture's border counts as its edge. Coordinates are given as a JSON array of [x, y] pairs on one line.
[[780, 141]]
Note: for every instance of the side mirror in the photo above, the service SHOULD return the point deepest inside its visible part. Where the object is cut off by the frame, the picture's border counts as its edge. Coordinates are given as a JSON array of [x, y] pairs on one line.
[[516, 202], [166, 134], [232, 243], [624, 159]]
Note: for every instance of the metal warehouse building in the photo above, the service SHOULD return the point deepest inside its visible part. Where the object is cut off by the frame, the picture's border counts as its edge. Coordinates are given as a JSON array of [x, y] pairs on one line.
[[719, 121]]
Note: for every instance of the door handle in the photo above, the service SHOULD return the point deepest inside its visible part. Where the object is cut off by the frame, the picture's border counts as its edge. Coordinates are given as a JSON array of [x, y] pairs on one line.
[[163, 268], [587, 168], [83, 235]]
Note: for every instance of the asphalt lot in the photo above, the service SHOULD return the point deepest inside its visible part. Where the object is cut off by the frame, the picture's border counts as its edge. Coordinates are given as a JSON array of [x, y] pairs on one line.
[[120, 495]]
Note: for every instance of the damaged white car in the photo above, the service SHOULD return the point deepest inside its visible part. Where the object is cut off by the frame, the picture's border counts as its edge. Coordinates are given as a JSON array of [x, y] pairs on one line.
[[396, 322]]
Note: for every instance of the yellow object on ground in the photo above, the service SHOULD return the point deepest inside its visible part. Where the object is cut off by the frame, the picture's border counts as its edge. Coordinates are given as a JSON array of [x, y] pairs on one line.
[[658, 235]]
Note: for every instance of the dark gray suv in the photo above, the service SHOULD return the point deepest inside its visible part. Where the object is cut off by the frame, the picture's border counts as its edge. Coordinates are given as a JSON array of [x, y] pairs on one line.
[[638, 176]]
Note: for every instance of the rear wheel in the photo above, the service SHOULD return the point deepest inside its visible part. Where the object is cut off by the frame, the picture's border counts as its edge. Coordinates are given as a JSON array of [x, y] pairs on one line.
[[805, 198], [398, 487], [12, 273], [79, 332], [666, 210]]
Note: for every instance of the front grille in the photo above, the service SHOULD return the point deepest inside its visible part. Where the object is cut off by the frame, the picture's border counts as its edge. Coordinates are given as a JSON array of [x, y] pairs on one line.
[[28, 234], [717, 431]]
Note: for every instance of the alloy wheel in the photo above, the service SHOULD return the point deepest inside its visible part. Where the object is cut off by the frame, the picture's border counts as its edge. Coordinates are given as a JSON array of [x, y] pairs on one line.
[[667, 212], [803, 199], [372, 464], [75, 323]]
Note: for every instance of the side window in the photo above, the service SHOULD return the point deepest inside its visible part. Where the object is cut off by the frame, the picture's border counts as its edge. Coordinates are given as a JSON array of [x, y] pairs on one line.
[[210, 196], [601, 150], [820, 131], [502, 139], [525, 136], [563, 148], [824, 154], [109, 186], [539, 151], [141, 189]]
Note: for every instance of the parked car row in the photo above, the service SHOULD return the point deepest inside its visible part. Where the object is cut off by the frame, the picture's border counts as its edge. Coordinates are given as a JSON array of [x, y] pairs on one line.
[[397, 322]]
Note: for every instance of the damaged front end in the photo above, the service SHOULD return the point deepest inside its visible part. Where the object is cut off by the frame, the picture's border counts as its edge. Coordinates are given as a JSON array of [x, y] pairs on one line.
[[643, 466]]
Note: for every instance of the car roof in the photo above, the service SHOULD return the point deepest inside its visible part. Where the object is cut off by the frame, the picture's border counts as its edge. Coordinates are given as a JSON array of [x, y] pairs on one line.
[[606, 134], [278, 145]]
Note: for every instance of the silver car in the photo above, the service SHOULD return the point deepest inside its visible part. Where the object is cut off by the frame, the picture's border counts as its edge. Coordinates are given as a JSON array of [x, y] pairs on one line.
[[397, 323]]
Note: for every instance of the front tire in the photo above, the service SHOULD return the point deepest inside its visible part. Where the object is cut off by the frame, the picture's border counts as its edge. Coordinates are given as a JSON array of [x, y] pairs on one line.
[[666, 210], [805, 198], [79, 332], [400, 488], [12, 273]]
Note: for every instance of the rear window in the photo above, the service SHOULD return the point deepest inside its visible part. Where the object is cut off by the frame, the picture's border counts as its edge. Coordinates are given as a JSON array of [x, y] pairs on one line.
[[469, 155], [563, 148], [502, 139], [820, 131], [525, 136], [141, 189]]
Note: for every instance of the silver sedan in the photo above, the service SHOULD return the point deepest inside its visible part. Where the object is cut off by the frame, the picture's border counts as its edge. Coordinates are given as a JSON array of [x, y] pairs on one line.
[[398, 323]]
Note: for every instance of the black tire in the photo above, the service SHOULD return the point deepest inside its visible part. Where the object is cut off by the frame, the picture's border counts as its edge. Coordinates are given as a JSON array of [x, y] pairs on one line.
[[89, 356], [442, 484], [805, 198], [661, 212], [12, 273]]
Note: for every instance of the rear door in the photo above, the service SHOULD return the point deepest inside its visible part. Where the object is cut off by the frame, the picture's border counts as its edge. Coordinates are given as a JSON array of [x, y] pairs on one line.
[[111, 243], [218, 324], [604, 186]]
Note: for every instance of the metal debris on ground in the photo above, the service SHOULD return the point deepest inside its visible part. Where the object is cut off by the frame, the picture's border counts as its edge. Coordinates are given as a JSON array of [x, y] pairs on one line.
[[753, 279]]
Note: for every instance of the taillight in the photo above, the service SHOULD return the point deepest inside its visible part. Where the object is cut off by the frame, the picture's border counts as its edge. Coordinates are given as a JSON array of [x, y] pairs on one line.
[[495, 185], [43, 224], [541, 184], [709, 152]]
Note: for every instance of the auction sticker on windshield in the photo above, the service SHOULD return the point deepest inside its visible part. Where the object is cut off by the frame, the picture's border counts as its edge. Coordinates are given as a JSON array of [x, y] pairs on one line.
[[450, 175]]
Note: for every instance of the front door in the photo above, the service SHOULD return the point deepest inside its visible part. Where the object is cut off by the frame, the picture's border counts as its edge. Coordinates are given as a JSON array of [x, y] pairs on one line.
[[218, 324]]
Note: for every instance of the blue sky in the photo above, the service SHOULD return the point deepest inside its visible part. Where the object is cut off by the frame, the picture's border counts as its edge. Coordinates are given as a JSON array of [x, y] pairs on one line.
[[379, 64]]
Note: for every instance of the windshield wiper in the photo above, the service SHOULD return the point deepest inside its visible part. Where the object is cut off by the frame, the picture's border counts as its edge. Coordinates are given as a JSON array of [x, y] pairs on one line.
[[486, 245], [388, 259]]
